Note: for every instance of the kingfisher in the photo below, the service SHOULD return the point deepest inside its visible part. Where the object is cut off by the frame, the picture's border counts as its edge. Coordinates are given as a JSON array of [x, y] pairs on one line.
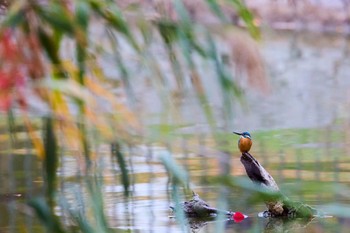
[[244, 142]]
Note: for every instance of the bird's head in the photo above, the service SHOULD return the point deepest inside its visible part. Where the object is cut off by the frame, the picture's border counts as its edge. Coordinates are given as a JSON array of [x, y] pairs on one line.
[[244, 134]]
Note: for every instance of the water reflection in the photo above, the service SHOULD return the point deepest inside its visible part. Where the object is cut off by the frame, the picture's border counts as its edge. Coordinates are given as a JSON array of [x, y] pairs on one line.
[[150, 194], [147, 209], [260, 225]]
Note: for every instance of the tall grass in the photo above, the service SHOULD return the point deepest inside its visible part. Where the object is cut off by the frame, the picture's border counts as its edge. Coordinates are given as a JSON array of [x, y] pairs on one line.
[[75, 87]]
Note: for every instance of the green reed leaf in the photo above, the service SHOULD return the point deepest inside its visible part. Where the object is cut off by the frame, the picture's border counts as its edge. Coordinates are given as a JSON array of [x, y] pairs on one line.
[[225, 78], [94, 185], [14, 19], [82, 14], [57, 17], [50, 46], [51, 161], [186, 29], [215, 8], [117, 154], [46, 215], [168, 31], [113, 16], [247, 16], [178, 173]]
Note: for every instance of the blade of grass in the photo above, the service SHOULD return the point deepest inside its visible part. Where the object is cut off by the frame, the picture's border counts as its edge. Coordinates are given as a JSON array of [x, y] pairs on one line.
[[51, 47], [228, 86], [113, 16], [94, 189], [179, 178], [179, 175], [179, 213], [215, 8], [46, 215], [50, 163], [82, 12], [124, 73], [186, 28], [117, 154], [247, 17], [57, 16]]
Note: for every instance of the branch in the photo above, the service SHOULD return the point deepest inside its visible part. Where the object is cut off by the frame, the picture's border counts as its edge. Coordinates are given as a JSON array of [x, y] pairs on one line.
[[280, 206]]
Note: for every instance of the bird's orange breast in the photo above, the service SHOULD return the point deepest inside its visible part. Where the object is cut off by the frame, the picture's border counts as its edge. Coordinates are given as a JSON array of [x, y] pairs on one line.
[[244, 144]]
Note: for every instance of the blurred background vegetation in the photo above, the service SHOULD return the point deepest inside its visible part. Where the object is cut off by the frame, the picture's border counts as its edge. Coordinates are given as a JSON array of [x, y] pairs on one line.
[[110, 112]]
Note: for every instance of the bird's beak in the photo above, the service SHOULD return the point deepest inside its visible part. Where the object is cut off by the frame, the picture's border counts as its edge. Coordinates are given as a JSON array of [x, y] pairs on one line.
[[237, 133]]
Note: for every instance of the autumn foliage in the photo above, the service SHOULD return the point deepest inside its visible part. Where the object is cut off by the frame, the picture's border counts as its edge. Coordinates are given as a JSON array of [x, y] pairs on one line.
[[20, 61]]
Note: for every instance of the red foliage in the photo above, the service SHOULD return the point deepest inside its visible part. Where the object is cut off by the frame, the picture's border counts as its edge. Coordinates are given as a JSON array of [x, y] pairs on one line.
[[11, 76], [19, 59]]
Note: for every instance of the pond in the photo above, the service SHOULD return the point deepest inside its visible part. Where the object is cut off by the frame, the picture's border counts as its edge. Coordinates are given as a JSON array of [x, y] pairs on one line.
[[300, 129]]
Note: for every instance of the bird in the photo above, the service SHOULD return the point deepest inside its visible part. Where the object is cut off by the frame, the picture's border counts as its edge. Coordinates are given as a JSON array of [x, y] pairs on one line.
[[244, 142]]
